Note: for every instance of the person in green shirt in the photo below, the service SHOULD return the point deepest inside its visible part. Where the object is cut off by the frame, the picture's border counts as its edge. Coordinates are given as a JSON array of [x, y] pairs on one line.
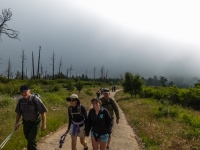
[[111, 106]]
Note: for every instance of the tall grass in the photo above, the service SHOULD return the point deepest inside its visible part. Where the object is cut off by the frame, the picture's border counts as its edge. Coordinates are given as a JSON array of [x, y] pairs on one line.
[[162, 126], [54, 97]]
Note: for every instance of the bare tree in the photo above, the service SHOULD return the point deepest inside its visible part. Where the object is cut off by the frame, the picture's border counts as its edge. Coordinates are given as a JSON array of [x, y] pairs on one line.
[[70, 70], [41, 71], [38, 70], [53, 61], [106, 74], [60, 65], [6, 16], [102, 73], [33, 65], [8, 71], [23, 56]]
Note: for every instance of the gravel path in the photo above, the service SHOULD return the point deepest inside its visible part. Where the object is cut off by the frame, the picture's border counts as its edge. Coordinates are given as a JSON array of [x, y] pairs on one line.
[[123, 137]]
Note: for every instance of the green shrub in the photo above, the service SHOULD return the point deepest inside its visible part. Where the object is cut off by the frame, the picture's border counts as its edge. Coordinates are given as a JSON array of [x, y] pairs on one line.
[[5, 102], [89, 92]]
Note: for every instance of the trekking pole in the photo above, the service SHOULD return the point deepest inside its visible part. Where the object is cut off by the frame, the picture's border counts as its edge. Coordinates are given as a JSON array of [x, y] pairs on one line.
[[62, 139], [9, 136]]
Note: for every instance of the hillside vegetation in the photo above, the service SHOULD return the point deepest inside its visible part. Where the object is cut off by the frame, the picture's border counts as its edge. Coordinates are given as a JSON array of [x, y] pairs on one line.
[[53, 94], [161, 124]]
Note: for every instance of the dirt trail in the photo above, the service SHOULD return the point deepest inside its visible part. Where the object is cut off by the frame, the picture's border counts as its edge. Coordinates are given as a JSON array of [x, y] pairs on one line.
[[123, 137]]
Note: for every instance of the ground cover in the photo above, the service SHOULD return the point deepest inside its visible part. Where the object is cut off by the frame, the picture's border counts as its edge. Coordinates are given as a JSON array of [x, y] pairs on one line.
[[160, 125]]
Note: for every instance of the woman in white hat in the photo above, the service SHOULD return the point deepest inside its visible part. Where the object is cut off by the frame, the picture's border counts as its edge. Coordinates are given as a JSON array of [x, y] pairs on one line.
[[77, 121]]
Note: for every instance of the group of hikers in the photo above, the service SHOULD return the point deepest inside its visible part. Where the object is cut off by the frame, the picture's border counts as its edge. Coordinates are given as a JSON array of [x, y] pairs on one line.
[[97, 123], [102, 90]]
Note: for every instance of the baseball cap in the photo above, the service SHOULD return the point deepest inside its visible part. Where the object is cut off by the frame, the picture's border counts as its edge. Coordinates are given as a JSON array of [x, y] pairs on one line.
[[106, 90], [96, 99], [24, 88]]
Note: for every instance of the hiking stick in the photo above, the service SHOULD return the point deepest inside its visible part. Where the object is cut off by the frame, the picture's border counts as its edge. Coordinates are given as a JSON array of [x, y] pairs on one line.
[[9, 136], [62, 139]]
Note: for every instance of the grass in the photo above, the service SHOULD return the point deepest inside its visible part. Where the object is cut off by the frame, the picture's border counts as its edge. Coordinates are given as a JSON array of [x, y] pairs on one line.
[[161, 126], [57, 114]]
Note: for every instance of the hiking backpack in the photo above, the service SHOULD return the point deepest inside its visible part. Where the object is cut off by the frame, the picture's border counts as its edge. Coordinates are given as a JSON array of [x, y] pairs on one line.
[[78, 109], [32, 101]]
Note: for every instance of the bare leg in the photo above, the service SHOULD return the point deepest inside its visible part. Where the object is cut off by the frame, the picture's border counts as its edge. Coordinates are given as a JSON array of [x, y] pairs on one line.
[[74, 141], [83, 142], [103, 145], [94, 143], [108, 143]]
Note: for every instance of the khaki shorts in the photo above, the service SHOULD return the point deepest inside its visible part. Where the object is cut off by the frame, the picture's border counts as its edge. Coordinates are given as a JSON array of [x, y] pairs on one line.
[[81, 134]]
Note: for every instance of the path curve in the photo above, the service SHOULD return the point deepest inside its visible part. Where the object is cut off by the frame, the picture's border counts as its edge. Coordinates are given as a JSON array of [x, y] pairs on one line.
[[123, 137]]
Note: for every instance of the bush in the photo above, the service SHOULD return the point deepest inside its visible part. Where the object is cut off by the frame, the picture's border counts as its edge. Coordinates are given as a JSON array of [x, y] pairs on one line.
[[5, 102], [89, 92]]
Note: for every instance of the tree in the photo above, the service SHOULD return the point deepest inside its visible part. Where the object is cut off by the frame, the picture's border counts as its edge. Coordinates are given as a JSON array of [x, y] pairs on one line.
[[53, 61], [8, 71], [163, 80], [23, 56], [33, 66], [132, 84], [59, 68], [79, 86], [4, 18], [38, 69]]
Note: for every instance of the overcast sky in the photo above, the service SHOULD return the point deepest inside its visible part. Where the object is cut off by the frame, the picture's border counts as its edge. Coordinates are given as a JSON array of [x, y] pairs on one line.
[[139, 36]]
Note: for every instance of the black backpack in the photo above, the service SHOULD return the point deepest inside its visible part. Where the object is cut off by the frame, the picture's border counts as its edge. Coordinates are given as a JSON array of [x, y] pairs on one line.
[[78, 109]]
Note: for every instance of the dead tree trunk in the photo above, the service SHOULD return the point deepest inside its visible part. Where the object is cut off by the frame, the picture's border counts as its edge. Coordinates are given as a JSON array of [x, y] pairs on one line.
[[53, 61], [23, 61], [38, 70], [9, 69], [33, 66]]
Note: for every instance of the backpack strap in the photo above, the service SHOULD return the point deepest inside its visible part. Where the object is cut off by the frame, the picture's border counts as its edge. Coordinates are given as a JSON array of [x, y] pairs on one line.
[[79, 111], [33, 101]]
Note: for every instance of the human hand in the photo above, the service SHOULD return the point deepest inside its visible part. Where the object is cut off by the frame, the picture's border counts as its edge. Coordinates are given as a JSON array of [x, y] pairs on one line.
[[43, 127], [67, 130], [117, 121], [16, 126]]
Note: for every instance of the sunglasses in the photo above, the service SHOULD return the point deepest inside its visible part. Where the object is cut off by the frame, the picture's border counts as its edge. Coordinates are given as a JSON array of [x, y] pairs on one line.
[[72, 100]]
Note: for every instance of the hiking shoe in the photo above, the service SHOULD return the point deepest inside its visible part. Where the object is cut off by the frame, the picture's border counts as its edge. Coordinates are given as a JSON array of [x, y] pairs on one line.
[[86, 148], [107, 147]]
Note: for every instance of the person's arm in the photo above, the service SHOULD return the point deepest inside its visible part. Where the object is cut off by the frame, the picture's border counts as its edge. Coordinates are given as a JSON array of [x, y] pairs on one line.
[[108, 121], [116, 110], [89, 124], [43, 127], [17, 121], [84, 112], [70, 119]]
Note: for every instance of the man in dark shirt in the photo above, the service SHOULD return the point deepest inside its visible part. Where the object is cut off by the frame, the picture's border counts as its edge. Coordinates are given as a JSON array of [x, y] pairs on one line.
[[30, 107]]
